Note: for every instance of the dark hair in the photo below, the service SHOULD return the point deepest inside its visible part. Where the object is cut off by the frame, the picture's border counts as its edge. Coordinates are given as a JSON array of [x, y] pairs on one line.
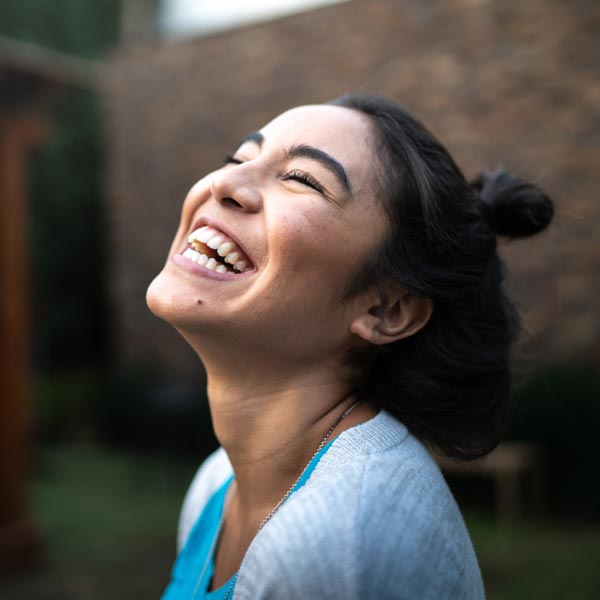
[[450, 382]]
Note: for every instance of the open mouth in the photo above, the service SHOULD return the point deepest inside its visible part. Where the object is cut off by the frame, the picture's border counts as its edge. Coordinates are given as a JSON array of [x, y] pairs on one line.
[[215, 251]]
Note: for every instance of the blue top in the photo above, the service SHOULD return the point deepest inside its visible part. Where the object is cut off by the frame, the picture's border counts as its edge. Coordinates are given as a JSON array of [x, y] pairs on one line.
[[187, 578]]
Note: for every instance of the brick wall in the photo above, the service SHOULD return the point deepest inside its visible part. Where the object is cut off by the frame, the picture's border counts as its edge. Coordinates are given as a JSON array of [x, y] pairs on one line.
[[499, 82]]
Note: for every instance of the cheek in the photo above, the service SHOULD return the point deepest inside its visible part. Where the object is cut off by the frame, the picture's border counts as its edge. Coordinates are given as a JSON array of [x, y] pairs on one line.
[[323, 241], [300, 243], [316, 258]]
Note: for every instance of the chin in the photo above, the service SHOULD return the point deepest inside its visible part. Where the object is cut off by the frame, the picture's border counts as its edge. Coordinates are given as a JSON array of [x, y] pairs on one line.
[[178, 307], [162, 299]]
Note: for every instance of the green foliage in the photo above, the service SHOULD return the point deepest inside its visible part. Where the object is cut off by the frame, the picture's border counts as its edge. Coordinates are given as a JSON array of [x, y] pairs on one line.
[[85, 27], [108, 521], [67, 176], [134, 409], [559, 408], [63, 405], [536, 559], [70, 300], [142, 410]]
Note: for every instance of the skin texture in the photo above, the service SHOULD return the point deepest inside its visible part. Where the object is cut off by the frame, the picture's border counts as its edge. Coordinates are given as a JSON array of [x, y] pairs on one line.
[[274, 340]]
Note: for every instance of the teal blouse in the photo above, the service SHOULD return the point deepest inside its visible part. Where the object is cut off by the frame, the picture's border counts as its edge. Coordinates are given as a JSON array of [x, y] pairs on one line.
[[187, 579]]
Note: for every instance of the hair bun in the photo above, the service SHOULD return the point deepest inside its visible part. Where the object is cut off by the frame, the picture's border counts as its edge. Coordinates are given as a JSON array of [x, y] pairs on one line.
[[512, 207]]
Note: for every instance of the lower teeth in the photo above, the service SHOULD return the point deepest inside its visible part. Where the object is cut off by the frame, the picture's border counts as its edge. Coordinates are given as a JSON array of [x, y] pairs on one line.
[[209, 263]]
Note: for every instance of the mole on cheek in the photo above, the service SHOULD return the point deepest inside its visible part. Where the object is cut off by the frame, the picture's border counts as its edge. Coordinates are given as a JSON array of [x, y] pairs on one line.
[[198, 301]]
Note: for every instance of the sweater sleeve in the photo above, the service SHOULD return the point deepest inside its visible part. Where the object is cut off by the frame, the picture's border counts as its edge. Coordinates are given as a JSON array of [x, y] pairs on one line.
[[373, 531], [415, 544]]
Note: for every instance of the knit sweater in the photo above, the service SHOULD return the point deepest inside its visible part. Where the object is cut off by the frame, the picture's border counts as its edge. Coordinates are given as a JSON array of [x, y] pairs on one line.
[[375, 520]]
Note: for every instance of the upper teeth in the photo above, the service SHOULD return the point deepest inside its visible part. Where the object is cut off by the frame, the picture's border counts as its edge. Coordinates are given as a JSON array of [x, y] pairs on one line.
[[224, 247], [215, 242]]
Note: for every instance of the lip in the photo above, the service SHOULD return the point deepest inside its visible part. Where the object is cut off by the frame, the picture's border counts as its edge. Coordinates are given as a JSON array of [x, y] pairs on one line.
[[216, 225]]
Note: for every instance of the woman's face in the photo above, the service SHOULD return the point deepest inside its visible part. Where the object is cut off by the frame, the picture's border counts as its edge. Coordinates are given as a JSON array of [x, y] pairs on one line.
[[296, 202]]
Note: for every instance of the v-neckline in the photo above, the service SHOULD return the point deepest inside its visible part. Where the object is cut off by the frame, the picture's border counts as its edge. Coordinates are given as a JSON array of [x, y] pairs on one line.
[[224, 504]]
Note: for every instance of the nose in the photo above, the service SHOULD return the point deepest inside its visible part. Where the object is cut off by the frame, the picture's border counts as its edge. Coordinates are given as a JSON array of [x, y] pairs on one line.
[[236, 188]]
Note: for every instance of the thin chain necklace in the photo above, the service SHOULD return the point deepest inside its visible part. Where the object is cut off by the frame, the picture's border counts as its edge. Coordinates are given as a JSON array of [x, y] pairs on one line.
[[277, 506]]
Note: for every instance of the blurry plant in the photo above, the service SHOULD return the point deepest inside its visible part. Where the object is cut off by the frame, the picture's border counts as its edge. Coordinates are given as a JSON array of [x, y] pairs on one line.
[[86, 27], [139, 409], [69, 299], [67, 179], [559, 408], [135, 409], [63, 405]]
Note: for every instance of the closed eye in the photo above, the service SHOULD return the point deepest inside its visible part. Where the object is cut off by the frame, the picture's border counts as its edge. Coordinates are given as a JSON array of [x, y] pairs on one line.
[[295, 175], [304, 178]]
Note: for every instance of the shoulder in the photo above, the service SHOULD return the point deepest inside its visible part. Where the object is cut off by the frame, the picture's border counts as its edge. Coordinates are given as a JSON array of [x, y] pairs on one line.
[[408, 523], [373, 521], [208, 479]]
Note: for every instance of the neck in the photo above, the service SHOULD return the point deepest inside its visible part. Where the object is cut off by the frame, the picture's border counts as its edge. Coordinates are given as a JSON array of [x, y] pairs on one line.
[[271, 421]]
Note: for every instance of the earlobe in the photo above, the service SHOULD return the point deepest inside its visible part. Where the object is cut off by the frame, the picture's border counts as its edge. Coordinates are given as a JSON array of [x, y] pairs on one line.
[[400, 317]]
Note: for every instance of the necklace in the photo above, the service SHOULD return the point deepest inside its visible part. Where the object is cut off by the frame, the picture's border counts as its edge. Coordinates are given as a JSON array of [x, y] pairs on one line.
[[277, 506]]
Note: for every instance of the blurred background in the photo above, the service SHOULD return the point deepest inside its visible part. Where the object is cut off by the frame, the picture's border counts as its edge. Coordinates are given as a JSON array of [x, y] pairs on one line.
[[111, 109]]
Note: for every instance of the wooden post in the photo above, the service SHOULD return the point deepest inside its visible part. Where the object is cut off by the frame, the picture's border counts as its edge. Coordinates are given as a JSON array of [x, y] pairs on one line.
[[18, 543], [30, 77]]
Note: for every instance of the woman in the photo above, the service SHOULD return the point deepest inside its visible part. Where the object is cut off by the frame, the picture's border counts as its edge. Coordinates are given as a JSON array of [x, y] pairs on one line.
[[339, 279]]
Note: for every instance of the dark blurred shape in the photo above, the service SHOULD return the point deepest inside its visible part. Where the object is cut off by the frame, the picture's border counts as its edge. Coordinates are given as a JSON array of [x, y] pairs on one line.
[[174, 419], [68, 240], [516, 470], [20, 132], [67, 224], [558, 409], [27, 87], [140, 410]]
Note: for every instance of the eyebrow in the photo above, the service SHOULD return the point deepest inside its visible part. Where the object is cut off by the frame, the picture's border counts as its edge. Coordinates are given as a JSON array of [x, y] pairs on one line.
[[330, 163], [305, 151]]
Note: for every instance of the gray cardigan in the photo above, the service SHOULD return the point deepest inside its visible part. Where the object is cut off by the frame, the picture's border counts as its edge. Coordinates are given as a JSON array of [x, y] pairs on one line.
[[375, 520]]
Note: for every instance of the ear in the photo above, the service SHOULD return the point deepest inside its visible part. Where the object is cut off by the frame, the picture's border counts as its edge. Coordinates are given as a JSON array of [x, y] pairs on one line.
[[400, 315]]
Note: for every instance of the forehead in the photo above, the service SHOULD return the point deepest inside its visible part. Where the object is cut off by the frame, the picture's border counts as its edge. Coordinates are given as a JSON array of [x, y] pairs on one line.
[[343, 133]]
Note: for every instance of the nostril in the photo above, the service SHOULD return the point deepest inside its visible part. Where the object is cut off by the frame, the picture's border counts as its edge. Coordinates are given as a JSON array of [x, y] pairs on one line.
[[231, 203]]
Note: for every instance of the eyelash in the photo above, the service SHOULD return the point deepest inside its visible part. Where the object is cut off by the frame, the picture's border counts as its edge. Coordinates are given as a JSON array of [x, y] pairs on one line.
[[304, 178], [295, 175]]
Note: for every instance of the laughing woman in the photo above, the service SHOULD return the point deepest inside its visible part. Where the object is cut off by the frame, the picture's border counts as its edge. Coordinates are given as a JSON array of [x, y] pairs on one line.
[[339, 280]]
